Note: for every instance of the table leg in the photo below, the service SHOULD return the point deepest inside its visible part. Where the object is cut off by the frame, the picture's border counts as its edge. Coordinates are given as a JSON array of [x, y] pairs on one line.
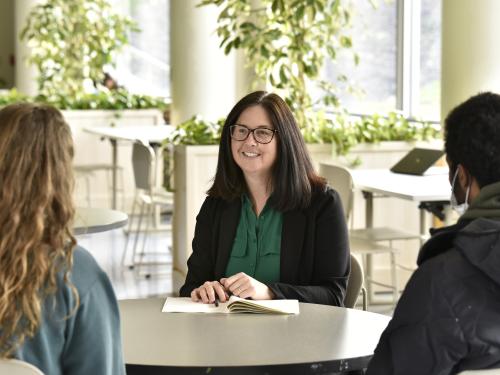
[[423, 225], [114, 150], [369, 224]]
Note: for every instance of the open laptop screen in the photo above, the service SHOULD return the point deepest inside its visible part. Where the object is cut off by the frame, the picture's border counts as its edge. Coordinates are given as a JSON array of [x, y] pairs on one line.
[[417, 161]]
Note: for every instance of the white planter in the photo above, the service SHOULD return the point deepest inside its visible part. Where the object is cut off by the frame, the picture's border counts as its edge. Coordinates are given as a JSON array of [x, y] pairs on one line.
[[90, 149], [195, 167]]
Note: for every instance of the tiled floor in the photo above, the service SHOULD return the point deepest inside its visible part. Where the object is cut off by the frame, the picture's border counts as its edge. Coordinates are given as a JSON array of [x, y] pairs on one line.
[[108, 249]]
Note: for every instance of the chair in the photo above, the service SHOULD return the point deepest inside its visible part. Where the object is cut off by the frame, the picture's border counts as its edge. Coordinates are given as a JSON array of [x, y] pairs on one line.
[[86, 171], [366, 241], [355, 284], [494, 371], [147, 196], [17, 367]]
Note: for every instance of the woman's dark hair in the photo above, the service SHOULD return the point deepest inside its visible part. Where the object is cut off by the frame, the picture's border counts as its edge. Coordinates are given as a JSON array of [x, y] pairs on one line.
[[293, 176], [472, 137]]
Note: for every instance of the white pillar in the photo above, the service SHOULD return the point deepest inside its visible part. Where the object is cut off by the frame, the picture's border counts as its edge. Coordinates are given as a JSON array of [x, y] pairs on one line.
[[25, 74], [203, 78], [204, 81], [470, 50]]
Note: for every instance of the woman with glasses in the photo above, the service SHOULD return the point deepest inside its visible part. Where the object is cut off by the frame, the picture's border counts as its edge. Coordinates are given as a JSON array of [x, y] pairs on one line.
[[270, 228], [58, 310]]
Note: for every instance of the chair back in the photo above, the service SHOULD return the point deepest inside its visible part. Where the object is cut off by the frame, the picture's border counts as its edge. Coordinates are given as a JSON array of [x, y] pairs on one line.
[[17, 367], [340, 179], [495, 371], [143, 158], [354, 284]]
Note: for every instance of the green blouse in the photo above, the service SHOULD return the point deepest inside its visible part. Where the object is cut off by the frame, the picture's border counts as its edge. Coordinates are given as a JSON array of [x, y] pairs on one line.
[[257, 245]]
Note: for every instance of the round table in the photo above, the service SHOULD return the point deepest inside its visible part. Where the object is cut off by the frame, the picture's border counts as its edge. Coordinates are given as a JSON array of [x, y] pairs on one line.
[[94, 220], [321, 339]]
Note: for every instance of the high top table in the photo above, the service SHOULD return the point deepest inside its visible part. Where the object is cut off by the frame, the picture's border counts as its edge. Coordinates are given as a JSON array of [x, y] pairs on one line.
[[321, 339], [432, 187], [152, 134]]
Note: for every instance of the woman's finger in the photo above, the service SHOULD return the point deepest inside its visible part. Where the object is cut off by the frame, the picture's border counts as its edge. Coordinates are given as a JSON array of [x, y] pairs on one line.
[[209, 288], [194, 295], [203, 294], [220, 292]]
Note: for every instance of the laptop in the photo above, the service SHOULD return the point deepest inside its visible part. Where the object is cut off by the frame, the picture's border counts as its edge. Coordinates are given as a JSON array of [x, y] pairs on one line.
[[417, 161]]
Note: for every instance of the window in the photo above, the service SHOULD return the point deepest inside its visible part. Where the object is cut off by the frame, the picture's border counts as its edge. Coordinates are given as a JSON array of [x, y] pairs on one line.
[[430, 60], [144, 66], [374, 40], [399, 48]]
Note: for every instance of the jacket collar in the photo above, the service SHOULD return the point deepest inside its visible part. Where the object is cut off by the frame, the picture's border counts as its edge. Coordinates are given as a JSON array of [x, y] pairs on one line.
[[440, 242]]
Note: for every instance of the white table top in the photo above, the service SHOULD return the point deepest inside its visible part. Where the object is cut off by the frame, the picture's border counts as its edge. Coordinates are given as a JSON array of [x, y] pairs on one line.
[[318, 334], [432, 186], [148, 134], [93, 220]]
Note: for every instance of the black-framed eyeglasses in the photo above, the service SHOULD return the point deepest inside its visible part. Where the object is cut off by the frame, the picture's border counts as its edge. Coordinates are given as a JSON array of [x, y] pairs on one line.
[[261, 135]]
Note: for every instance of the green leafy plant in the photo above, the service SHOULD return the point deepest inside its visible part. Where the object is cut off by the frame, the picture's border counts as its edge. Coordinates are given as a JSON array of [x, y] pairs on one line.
[[286, 42], [112, 100], [12, 96], [346, 132], [341, 130], [71, 42], [197, 131]]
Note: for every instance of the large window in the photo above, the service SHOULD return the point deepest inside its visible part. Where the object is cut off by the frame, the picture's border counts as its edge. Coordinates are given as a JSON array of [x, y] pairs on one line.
[[144, 66], [399, 48]]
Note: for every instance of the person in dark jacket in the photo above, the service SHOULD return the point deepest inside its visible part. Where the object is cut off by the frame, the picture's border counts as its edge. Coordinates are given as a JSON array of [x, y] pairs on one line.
[[448, 318], [270, 228]]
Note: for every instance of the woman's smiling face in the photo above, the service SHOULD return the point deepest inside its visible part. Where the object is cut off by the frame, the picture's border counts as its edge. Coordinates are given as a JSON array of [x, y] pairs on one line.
[[252, 157]]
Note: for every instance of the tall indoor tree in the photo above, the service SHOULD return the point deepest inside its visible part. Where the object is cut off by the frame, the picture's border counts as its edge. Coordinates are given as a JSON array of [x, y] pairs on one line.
[[72, 41], [286, 42]]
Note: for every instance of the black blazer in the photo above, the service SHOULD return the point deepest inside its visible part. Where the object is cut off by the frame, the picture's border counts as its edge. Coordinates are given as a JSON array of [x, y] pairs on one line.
[[314, 265]]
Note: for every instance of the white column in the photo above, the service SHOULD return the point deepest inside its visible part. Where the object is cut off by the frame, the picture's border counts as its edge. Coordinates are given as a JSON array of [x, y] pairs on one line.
[[204, 81], [203, 78], [470, 50], [25, 74]]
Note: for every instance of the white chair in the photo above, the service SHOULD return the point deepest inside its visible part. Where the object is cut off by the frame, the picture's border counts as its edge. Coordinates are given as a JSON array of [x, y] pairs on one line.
[[87, 171], [366, 241], [17, 367], [355, 285], [147, 197], [494, 371]]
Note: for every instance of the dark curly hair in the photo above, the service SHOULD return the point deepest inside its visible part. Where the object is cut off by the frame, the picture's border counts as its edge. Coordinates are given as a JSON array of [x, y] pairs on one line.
[[472, 137]]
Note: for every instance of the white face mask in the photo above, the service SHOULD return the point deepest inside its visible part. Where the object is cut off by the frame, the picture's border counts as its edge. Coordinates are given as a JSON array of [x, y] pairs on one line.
[[460, 208]]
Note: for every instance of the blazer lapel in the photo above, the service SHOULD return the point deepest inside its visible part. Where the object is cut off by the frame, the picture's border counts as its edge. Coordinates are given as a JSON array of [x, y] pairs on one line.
[[227, 231], [292, 238]]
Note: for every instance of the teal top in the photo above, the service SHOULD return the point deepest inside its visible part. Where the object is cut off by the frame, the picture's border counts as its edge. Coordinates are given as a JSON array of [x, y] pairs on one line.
[[257, 245], [82, 342]]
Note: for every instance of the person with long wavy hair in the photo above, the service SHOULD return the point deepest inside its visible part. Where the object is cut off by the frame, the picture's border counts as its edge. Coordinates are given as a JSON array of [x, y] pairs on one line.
[[58, 310]]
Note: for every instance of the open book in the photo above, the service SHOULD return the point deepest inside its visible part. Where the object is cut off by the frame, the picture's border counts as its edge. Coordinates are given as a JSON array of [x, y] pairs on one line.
[[234, 305]]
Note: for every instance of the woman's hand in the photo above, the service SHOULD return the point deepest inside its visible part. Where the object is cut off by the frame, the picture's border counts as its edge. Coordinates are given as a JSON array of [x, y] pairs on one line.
[[244, 286], [208, 291]]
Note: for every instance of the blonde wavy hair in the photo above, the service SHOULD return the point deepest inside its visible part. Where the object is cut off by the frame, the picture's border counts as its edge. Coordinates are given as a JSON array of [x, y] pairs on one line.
[[36, 213]]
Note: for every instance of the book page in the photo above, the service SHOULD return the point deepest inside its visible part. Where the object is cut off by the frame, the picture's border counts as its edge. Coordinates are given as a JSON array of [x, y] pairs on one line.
[[185, 304], [234, 305], [277, 306]]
